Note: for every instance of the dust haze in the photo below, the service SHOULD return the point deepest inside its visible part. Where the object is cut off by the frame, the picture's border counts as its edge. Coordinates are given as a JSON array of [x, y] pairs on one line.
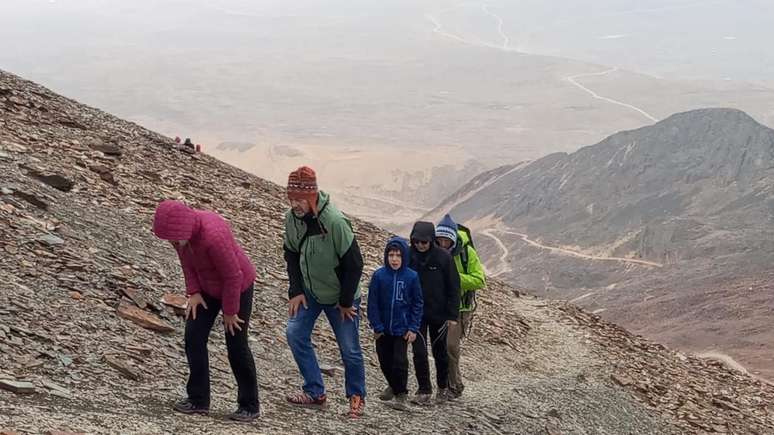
[[399, 103]]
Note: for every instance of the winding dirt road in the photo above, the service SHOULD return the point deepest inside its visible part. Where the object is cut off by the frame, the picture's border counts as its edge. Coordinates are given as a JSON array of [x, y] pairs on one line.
[[573, 80], [505, 266], [505, 46], [438, 29], [500, 22]]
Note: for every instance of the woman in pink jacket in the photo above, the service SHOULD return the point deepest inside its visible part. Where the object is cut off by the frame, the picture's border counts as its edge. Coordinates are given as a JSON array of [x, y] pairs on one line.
[[218, 276]]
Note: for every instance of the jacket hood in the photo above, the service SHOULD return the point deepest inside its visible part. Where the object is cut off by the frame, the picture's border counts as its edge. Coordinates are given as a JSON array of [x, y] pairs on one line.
[[448, 222], [402, 245], [463, 240], [424, 231], [174, 220], [323, 198]]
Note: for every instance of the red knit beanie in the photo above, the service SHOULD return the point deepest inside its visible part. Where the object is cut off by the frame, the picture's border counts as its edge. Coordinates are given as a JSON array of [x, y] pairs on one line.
[[302, 184], [174, 221]]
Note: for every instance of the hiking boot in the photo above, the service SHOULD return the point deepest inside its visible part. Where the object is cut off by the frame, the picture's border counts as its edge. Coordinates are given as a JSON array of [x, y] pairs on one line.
[[442, 395], [244, 415], [456, 393], [185, 406], [423, 398], [387, 395], [356, 406], [304, 400], [401, 402]]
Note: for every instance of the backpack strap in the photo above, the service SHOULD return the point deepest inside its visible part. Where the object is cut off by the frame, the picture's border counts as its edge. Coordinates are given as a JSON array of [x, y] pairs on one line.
[[464, 258]]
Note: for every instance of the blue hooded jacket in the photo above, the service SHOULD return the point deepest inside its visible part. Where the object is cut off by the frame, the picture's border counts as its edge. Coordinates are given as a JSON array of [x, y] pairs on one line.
[[395, 296]]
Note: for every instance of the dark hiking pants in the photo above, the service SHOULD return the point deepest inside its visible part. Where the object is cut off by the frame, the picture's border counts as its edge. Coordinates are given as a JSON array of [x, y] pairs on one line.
[[437, 340], [240, 357], [393, 359]]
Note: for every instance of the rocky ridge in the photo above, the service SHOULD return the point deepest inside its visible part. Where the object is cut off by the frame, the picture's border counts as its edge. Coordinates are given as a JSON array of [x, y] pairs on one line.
[[655, 229], [90, 326]]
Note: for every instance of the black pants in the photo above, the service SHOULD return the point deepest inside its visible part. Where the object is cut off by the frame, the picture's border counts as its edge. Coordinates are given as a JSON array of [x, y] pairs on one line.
[[240, 357], [421, 363], [393, 359]]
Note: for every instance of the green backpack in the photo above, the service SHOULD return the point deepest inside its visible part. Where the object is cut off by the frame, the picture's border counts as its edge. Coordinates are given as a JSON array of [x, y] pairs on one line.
[[464, 250]]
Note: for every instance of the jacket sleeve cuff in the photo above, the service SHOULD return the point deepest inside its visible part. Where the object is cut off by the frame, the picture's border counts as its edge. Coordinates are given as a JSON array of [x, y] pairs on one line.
[[351, 265], [346, 300], [293, 292], [231, 308]]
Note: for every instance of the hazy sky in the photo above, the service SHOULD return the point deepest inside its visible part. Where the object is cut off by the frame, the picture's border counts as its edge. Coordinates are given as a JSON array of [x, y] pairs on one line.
[[722, 39], [482, 82], [303, 68]]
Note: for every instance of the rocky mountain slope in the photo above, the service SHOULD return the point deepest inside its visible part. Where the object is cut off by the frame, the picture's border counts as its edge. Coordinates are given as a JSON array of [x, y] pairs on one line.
[[654, 228], [91, 337]]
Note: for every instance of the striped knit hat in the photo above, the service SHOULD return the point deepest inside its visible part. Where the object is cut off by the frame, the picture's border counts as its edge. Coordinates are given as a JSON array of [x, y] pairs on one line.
[[174, 221], [302, 184], [447, 228]]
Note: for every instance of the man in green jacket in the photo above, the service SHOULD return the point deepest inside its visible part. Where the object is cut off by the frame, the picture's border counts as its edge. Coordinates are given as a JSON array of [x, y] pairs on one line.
[[456, 239], [324, 269]]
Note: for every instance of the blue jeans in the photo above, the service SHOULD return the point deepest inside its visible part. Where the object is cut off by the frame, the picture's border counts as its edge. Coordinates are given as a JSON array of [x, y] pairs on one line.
[[299, 334]]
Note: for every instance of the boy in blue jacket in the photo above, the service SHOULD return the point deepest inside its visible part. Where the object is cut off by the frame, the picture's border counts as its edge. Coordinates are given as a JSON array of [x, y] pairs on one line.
[[395, 314]]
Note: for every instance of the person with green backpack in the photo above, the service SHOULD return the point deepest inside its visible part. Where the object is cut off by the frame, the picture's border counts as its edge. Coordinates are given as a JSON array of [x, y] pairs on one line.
[[457, 239]]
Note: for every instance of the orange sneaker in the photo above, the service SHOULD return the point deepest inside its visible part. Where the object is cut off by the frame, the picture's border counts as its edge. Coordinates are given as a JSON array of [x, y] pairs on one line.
[[356, 406]]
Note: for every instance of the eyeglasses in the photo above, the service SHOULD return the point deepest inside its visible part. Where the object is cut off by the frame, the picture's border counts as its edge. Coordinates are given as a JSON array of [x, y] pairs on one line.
[[421, 242]]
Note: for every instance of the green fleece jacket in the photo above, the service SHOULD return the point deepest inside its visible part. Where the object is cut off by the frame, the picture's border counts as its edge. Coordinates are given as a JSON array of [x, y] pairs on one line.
[[320, 252]]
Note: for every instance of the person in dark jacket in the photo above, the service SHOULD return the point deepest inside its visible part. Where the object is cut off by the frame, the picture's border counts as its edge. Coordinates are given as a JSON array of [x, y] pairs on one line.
[[441, 296], [395, 315]]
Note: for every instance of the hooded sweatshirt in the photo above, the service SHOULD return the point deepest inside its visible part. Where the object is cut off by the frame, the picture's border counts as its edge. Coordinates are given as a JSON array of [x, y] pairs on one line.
[[212, 260], [322, 255], [437, 275], [395, 296]]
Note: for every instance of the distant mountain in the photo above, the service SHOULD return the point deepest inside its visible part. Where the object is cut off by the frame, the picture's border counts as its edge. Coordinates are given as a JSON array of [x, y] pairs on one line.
[[237, 146], [470, 189], [640, 226]]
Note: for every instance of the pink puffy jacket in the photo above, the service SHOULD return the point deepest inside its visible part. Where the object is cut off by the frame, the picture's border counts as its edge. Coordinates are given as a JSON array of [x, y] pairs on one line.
[[213, 262]]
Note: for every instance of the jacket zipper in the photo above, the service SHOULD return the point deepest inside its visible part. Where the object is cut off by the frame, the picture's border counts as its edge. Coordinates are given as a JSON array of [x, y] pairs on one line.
[[195, 267], [308, 271], [305, 248], [394, 291]]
